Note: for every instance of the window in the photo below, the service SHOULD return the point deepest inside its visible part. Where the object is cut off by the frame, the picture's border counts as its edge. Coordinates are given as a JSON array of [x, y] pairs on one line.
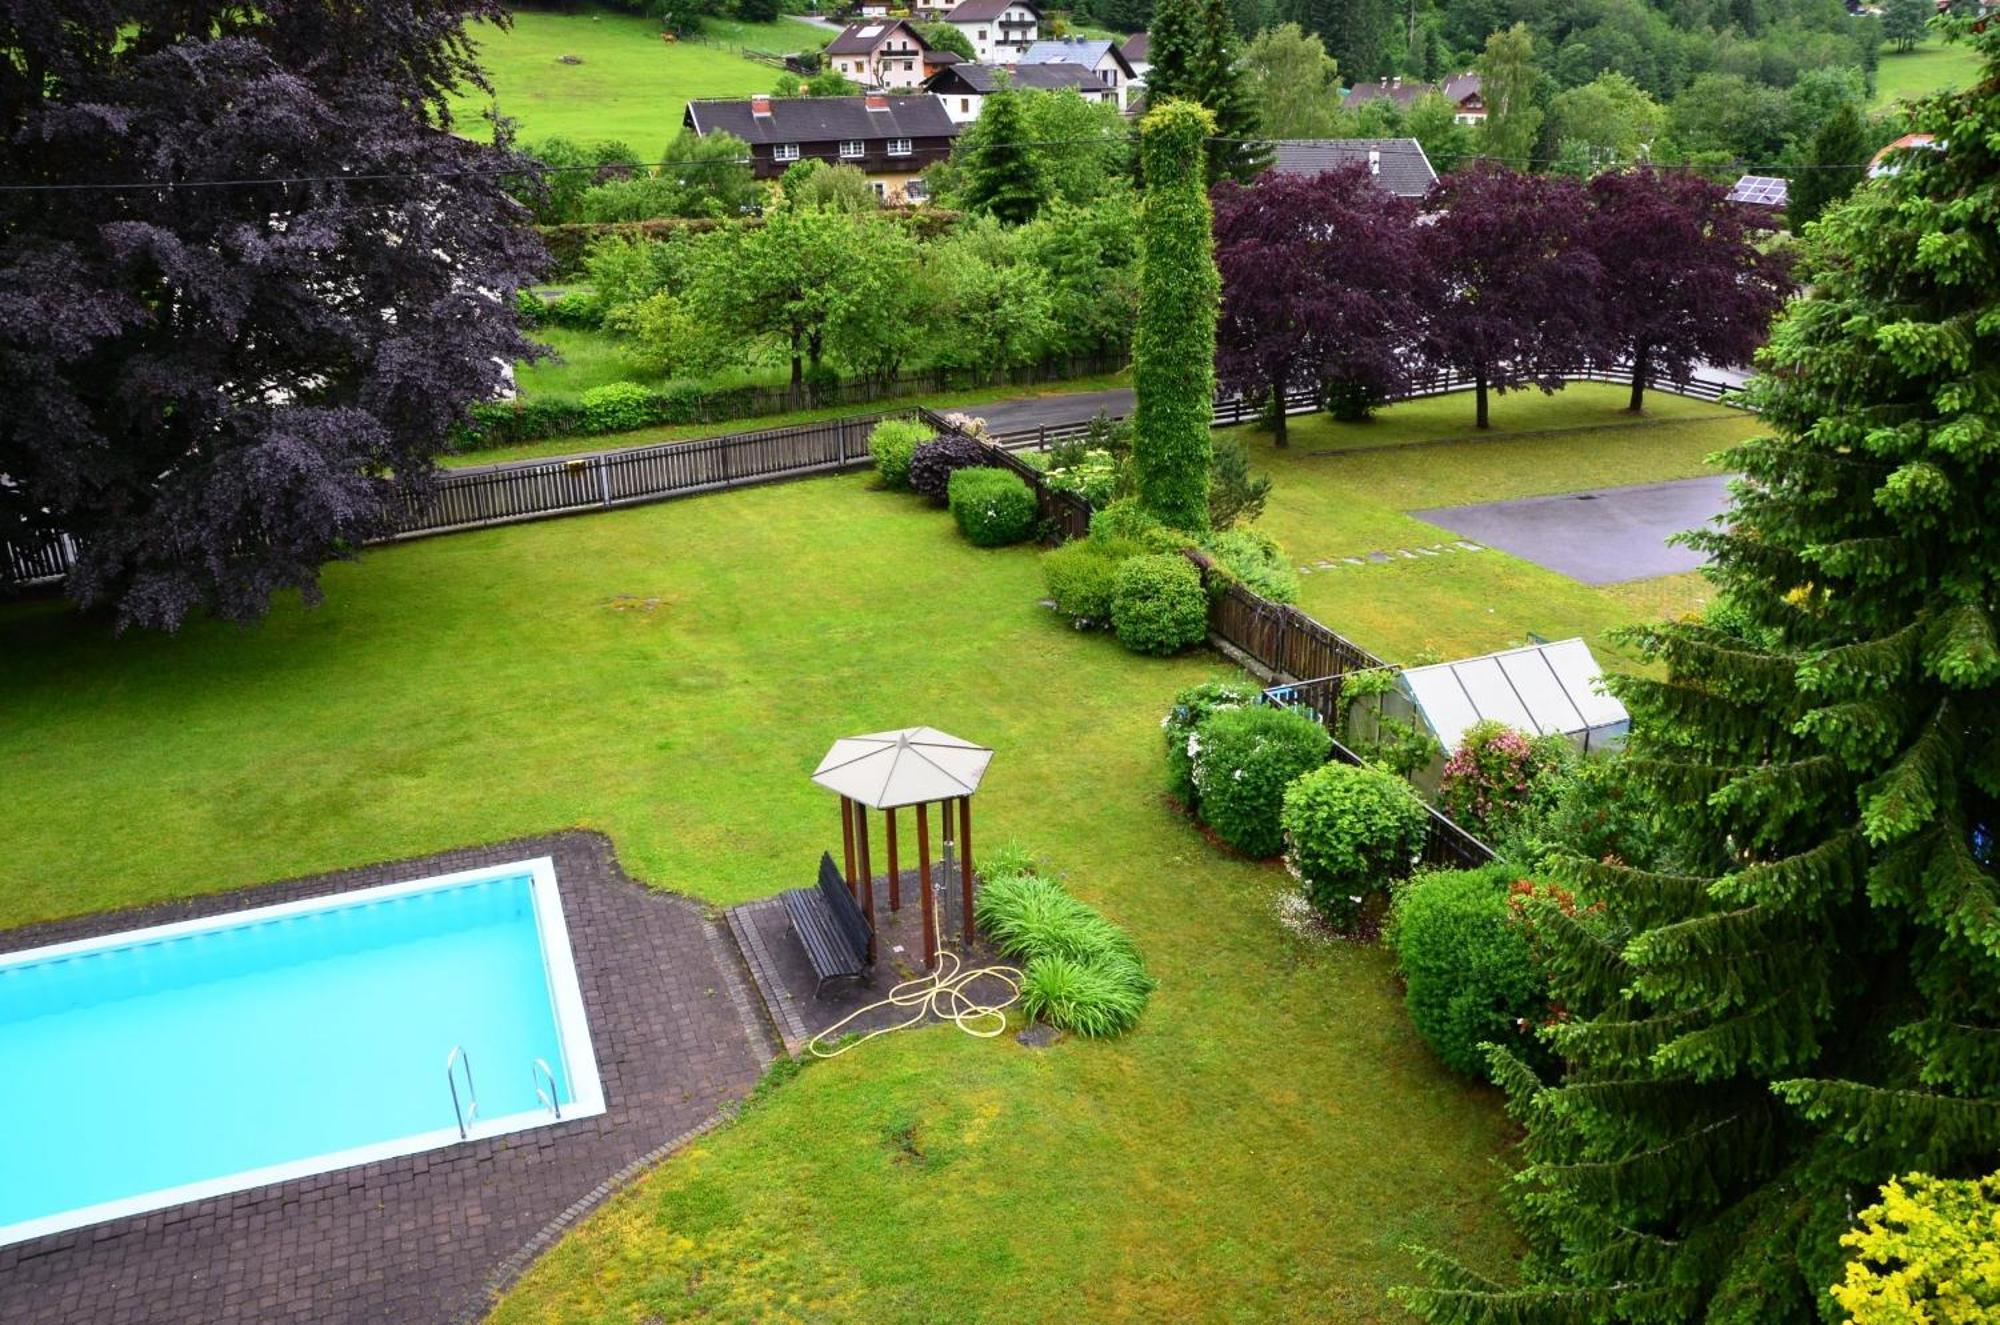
[[899, 147], [965, 105], [852, 148], [982, 36], [881, 190], [785, 152], [917, 191]]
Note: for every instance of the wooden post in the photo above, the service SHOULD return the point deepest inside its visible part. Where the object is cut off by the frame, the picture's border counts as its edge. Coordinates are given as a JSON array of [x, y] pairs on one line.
[[847, 839], [867, 876], [895, 872], [965, 862], [924, 888]]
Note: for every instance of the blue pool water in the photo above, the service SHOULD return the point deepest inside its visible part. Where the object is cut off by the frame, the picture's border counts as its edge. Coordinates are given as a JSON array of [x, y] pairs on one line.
[[153, 1064]]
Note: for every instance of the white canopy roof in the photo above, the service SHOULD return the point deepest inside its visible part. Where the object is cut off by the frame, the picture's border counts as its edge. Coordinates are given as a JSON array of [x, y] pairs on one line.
[[1542, 689], [907, 767]]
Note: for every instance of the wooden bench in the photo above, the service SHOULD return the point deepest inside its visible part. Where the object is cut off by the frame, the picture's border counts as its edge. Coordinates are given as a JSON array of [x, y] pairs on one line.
[[830, 926]]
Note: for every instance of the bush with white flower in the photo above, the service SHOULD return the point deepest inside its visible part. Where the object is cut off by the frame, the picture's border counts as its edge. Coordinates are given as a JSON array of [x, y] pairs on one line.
[[1243, 760]]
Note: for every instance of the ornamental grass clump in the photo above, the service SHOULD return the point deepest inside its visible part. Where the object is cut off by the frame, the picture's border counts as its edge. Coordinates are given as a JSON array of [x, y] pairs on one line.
[[993, 507], [1349, 830], [1244, 759], [1081, 972], [892, 443], [1182, 724]]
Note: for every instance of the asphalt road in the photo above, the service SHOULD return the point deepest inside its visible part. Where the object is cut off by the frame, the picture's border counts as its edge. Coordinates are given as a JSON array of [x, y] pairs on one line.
[[1037, 411], [1598, 537]]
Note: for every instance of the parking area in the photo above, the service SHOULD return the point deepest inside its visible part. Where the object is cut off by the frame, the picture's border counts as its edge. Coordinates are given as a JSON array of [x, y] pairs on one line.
[[1602, 537]]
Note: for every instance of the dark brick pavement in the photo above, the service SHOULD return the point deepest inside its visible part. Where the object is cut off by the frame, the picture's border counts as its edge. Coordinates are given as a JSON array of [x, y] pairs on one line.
[[428, 1238]]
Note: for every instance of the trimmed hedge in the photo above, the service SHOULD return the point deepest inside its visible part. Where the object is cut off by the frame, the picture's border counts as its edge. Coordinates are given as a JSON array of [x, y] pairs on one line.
[[615, 407], [1192, 707], [993, 507], [1081, 972], [933, 464], [1244, 759], [892, 443], [1079, 576], [1157, 604], [1469, 972], [1349, 829]]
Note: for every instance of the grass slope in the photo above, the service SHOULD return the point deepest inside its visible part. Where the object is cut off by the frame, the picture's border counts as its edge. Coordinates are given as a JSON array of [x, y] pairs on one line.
[[1260, 1149], [630, 86], [1931, 68], [1342, 490]]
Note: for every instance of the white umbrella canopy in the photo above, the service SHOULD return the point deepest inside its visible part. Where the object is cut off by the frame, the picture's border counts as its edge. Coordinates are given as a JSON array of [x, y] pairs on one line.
[[885, 770]]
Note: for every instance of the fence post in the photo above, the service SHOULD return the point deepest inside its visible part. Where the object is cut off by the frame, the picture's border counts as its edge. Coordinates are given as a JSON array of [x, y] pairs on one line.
[[604, 478]]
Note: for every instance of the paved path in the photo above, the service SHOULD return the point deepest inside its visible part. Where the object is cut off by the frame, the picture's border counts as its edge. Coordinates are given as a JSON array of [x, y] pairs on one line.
[[426, 1238], [1600, 537]]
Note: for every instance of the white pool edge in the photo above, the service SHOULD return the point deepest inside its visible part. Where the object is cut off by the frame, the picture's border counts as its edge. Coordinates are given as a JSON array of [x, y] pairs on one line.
[[579, 1063]]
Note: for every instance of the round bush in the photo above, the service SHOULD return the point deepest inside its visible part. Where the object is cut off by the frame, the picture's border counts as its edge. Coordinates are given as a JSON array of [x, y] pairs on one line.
[[993, 507], [1244, 759], [1157, 604], [892, 443], [1470, 975], [1191, 708], [617, 407], [933, 463], [1349, 830], [1079, 576]]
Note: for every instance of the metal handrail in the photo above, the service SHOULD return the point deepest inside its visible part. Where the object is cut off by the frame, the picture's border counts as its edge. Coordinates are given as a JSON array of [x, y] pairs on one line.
[[550, 1098], [460, 1111]]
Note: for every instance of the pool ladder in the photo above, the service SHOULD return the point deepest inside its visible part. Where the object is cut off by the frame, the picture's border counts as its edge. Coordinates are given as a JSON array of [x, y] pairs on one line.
[[466, 1110]]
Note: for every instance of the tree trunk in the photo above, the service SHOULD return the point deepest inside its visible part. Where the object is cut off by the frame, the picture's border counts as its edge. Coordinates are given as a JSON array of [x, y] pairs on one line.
[[1642, 364], [798, 371], [1278, 425], [1479, 396]]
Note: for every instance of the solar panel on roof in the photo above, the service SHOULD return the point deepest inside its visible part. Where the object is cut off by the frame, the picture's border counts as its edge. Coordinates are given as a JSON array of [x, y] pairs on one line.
[[871, 30], [1765, 190]]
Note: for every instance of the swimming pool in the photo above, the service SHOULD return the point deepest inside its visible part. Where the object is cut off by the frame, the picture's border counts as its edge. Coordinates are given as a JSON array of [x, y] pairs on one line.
[[170, 1064]]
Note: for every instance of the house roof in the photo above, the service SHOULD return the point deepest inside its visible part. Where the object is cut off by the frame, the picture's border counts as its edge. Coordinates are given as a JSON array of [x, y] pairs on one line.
[[1884, 162], [984, 78], [1460, 86], [1761, 190], [824, 119], [1398, 164], [1541, 690], [1083, 51], [941, 57], [861, 38], [1137, 48], [1397, 91], [985, 11]]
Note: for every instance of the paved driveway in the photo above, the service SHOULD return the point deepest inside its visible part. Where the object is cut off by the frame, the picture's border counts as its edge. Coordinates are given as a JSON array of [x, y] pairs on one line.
[[1598, 537]]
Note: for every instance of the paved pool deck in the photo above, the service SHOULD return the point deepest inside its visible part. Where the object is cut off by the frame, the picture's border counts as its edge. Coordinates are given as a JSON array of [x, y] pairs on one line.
[[1602, 537], [679, 1035]]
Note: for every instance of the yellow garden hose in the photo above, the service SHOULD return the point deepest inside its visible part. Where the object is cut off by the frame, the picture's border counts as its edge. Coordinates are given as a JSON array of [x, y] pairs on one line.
[[941, 994]]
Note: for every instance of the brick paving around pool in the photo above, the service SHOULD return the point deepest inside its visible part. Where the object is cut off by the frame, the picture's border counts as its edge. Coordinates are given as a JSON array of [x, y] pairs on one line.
[[432, 1237]]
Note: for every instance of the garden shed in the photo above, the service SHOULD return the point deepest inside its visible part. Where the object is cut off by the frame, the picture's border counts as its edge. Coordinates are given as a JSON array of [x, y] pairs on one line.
[[1542, 689]]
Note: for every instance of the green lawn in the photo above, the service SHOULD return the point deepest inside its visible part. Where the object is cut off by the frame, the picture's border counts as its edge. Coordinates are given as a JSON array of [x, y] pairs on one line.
[[630, 86], [1260, 1149], [1932, 67], [1343, 490]]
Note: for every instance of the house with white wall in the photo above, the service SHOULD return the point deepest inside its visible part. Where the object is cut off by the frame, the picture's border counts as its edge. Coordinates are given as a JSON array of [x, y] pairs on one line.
[[964, 87], [1100, 57], [999, 30]]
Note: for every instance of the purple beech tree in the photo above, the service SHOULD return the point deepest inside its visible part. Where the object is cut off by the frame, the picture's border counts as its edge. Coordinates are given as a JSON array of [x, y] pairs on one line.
[[1682, 280], [1517, 297], [251, 284], [1321, 286]]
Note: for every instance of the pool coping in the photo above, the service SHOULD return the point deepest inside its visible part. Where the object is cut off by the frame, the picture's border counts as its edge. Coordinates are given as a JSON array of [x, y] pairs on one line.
[[440, 1234]]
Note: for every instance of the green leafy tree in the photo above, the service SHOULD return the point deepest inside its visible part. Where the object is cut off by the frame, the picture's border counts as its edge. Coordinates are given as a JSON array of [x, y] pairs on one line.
[[1293, 83], [780, 286], [840, 187], [1237, 151], [1088, 257], [944, 37], [1508, 75], [1804, 1001], [1834, 164], [1083, 149], [698, 176], [1611, 120], [889, 312], [1003, 175], [1433, 122], [1903, 22], [1173, 346]]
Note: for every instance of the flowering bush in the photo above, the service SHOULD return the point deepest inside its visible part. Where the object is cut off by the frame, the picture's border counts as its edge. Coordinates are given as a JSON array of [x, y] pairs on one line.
[[1470, 977], [993, 507], [1182, 725], [1490, 779], [1244, 758], [1349, 830], [1092, 476]]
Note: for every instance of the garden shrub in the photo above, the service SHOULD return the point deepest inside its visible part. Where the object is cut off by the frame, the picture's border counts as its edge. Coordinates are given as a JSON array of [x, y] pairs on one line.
[[1079, 576], [993, 507], [1235, 495], [617, 407], [1157, 604], [1349, 830], [1470, 977], [933, 463], [1254, 559], [1191, 708], [1127, 521], [1928, 1251], [1081, 973], [1244, 759], [1490, 779], [1584, 807], [891, 443]]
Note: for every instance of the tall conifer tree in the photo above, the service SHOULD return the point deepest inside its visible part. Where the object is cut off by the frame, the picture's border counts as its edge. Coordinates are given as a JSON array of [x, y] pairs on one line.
[[1235, 153], [1804, 999], [1834, 165], [1175, 46]]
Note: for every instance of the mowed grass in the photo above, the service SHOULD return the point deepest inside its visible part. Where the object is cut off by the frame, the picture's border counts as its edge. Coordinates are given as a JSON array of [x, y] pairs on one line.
[[1261, 1148], [1343, 490], [630, 86], [1931, 68]]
